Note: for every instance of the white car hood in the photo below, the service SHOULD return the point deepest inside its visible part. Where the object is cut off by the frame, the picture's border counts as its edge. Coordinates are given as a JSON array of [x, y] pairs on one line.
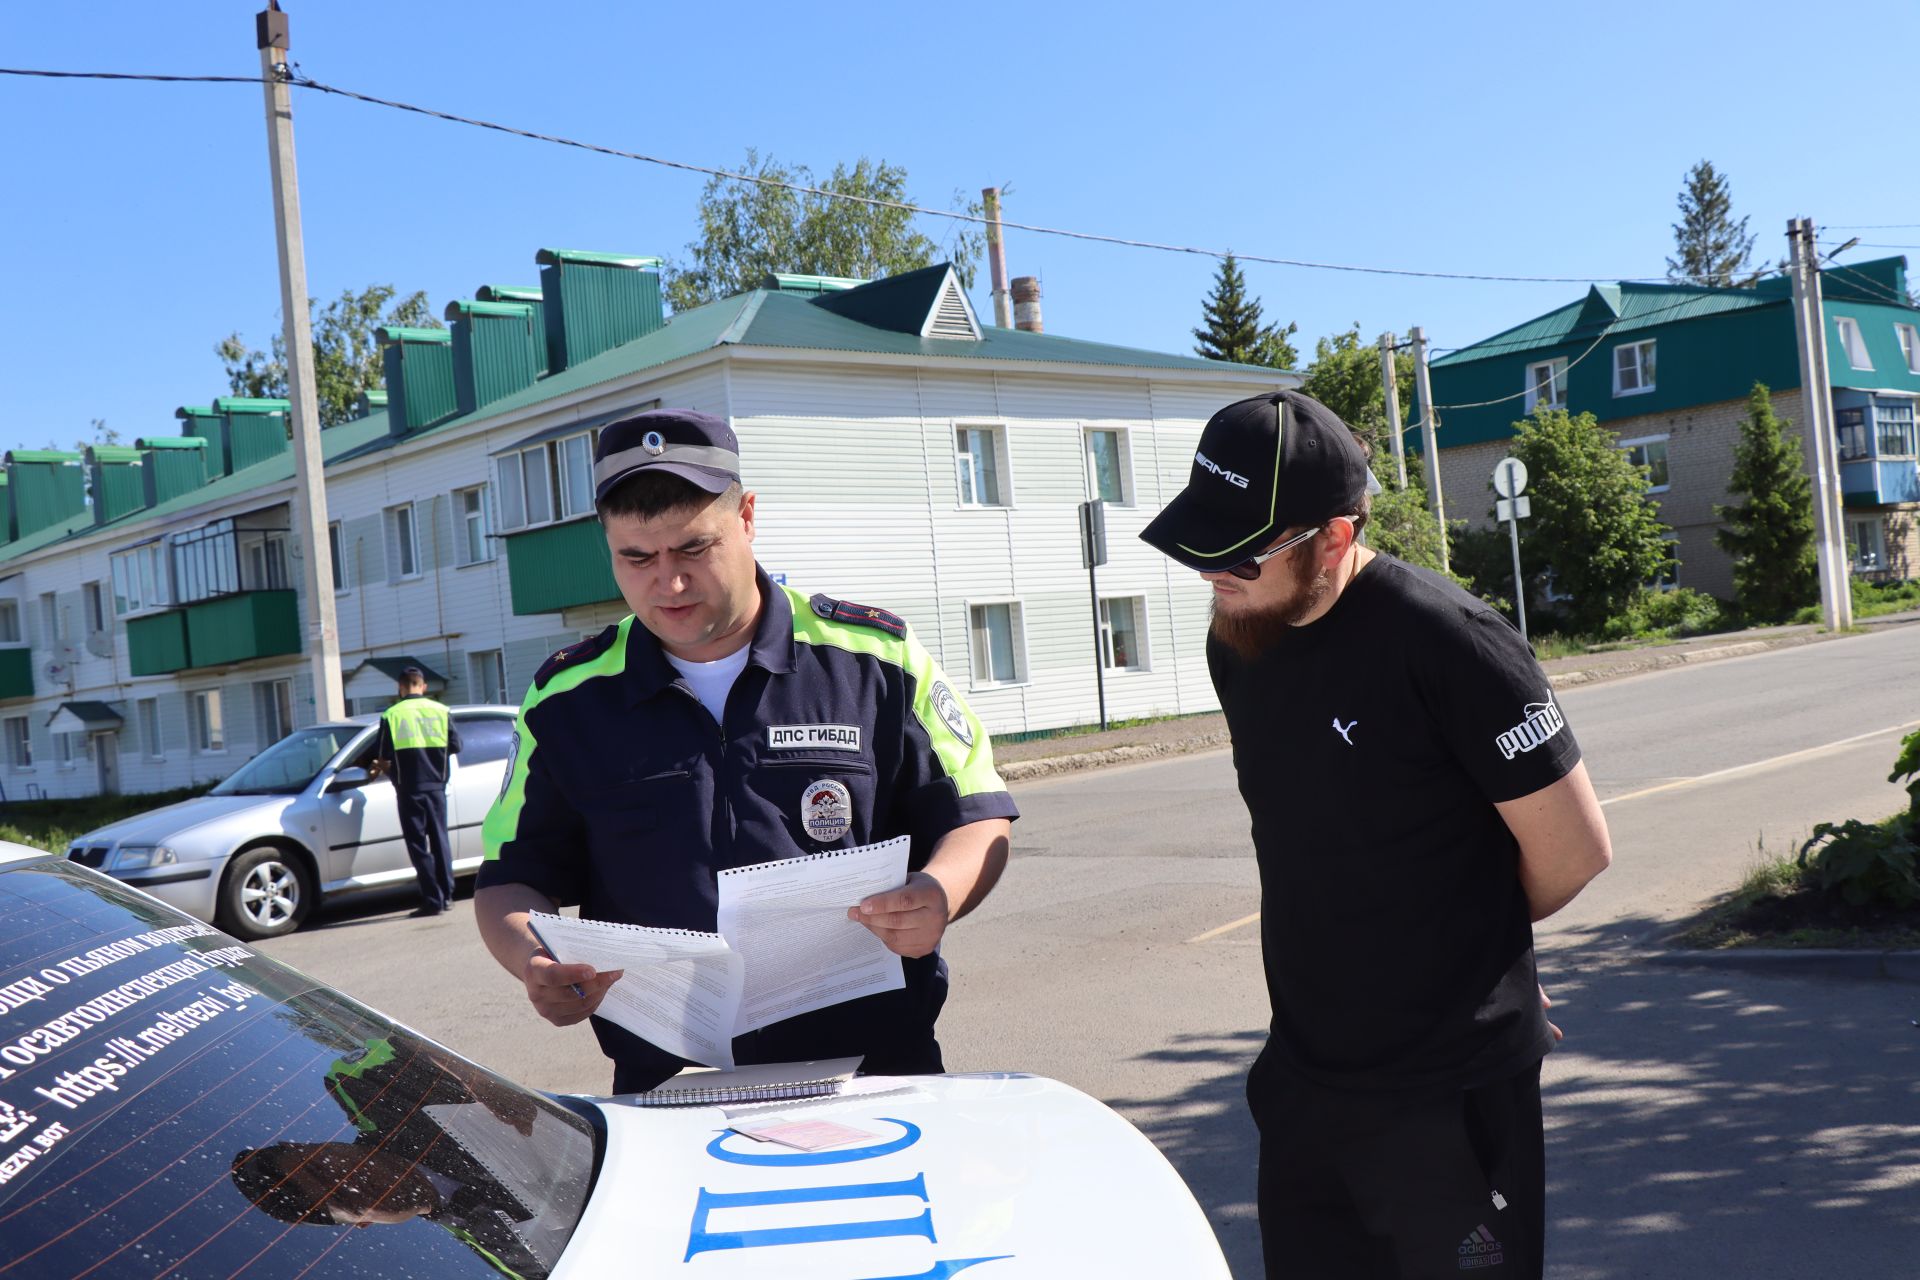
[[162, 825], [995, 1176]]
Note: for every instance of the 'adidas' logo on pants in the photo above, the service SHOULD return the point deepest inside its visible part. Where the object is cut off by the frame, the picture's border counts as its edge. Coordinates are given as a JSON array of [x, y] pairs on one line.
[[1480, 1250]]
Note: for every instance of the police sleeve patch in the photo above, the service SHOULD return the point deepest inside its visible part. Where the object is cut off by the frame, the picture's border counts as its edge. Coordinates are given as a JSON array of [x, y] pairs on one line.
[[592, 647], [859, 615]]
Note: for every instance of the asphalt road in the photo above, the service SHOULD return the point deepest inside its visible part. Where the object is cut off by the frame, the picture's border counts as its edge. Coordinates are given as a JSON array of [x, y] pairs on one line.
[[1118, 956]]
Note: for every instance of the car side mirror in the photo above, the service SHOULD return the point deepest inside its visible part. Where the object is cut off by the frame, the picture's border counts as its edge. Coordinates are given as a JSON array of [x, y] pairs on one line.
[[348, 778]]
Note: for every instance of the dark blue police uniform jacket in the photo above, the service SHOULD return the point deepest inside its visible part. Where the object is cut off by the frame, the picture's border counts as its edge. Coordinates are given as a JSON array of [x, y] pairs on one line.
[[624, 796]]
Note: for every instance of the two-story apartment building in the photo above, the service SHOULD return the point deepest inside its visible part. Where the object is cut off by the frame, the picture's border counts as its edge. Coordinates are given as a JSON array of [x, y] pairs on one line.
[[152, 617], [1668, 368]]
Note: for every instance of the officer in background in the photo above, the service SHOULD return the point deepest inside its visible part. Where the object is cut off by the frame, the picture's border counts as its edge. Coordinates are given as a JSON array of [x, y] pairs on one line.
[[731, 721], [416, 738]]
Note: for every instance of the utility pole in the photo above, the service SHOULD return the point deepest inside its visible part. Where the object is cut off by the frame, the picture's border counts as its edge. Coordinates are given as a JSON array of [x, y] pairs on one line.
[[309, 492], [1836, 604], [1390, 383], [1423, 388], [997, 258]]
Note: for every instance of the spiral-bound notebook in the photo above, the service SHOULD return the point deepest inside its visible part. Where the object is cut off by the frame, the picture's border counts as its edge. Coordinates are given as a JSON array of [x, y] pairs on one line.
[[767, 1082]]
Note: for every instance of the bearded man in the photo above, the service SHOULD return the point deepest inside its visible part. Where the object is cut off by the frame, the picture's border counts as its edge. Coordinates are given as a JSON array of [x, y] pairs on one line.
[[1417, 802]]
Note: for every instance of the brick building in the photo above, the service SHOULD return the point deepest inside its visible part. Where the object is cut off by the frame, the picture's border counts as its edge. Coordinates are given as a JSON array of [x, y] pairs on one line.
[[1668, 368]]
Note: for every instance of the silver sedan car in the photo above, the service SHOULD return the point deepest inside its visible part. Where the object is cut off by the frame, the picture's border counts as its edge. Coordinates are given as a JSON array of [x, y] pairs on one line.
[[300, 821]]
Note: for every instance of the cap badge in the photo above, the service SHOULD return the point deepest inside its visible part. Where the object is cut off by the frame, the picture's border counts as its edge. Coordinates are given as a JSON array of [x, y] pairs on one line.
[[826, 810], [653, 442]]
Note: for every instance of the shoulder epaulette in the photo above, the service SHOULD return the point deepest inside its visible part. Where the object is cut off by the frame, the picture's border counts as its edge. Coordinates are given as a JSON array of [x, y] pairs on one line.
[[591, 647], [859, 615]]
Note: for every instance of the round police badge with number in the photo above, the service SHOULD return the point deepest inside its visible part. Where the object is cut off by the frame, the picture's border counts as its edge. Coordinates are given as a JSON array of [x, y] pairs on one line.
[[826, 810], [949, 708]]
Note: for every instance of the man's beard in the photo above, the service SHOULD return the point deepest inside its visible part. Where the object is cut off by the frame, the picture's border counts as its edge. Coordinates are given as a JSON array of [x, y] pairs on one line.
[[1251, 632]]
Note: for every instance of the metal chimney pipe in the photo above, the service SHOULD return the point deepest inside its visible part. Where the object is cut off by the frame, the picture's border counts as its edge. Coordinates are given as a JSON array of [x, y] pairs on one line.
[[1026, 304], [997, 258]]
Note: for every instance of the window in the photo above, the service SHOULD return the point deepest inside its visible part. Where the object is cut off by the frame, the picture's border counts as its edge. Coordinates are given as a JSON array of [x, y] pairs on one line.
[[1633, 368], [140, 579], [275, 698], [470, 509], [576, 476], [149, 714], [9, 622], [1547, 384], [1869, 543], [1650, 453], [484, 738], [538, 481], [1107, 465], [1668, 576], [337, 550], [403, 550], [96, 613], [1909, 346], [1121, 629], [1850, 425], [19, 743], [1853, 342], [51, 632], [977, 457], [486, 676], [209, 723], [63, 751], [263, 561], [996, 643], [1893, 428]]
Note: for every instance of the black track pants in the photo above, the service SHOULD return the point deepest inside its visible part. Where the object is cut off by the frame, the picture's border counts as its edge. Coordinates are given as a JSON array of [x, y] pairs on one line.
[[1367, 1187], [423, 822]]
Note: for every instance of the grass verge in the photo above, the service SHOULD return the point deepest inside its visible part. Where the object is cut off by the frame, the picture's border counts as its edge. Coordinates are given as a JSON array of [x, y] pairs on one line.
[[55, 824], [1777, 906]]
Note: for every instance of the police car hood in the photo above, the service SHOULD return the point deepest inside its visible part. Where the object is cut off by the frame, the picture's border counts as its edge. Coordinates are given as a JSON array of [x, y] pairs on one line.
[[994, 1175]]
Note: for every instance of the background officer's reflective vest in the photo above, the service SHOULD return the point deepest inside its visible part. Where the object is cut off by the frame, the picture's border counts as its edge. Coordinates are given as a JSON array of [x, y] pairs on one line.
[[416, 733]]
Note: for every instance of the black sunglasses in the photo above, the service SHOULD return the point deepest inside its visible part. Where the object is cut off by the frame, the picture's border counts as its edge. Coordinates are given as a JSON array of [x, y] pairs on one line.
[[1249, 569]]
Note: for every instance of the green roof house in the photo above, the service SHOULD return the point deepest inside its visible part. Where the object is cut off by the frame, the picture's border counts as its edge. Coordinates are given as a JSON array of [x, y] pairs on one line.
[[1668, 368]]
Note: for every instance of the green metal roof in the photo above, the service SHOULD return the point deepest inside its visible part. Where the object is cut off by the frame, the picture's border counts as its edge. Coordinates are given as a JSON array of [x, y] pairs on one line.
[[509, 293], [41, 455], [244, 404], [1625, 307], [469, 307], [114, 453], [787, 282], [548, 257], [401, 333], [170, 442]]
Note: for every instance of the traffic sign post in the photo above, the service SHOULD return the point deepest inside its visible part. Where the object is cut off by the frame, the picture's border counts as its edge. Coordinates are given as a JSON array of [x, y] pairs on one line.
[[1093, 551], [1509, 478]]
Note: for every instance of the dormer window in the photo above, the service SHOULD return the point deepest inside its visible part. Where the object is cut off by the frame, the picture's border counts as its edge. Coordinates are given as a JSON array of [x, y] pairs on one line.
[[1547, 384], [1853, 342], [1633, 368]]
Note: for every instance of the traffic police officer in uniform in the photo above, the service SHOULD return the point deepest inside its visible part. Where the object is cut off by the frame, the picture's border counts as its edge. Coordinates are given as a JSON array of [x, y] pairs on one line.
[[731, 721], [416, 738]]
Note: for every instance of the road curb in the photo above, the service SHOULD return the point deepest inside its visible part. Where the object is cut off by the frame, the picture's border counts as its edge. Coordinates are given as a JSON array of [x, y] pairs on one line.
[[1811, 962], [1656, 660], [1051, 766]]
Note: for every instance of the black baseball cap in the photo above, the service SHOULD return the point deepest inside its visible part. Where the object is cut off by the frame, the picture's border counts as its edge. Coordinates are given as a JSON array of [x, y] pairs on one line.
[[408, 673], [1263, 466], [697, 447]]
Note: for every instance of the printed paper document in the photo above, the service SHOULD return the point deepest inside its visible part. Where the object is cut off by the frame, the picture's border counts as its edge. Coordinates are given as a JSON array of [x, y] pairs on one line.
[[785, 947]]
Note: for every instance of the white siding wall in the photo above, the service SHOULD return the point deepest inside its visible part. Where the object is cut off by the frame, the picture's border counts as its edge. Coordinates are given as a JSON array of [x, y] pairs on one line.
[[855, 470]]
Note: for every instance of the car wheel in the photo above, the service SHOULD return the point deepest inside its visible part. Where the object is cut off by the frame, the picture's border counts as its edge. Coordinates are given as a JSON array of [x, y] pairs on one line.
[[267, 892]]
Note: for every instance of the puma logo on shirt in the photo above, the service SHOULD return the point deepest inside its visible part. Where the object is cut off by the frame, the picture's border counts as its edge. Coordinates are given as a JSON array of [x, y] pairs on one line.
[[1344, 730]]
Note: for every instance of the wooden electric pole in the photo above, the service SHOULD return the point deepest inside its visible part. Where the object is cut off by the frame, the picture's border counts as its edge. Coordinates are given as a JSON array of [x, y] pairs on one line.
[[309, 493], [1390, 383], [1423, 388]]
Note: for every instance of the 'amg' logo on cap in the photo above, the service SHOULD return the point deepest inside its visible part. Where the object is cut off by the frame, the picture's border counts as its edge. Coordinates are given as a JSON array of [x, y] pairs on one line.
[[1233, 478]]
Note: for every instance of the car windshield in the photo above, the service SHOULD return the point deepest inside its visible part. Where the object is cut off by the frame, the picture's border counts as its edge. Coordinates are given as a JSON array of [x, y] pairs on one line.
[[286, 767], [172, 1103]]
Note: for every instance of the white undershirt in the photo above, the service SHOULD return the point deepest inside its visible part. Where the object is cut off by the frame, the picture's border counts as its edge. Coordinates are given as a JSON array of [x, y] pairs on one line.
[[712, 681]]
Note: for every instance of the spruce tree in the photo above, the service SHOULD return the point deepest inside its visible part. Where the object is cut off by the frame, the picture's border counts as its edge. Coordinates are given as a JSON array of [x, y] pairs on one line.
[[1233, 330], [1713, 248], [1770, 535]]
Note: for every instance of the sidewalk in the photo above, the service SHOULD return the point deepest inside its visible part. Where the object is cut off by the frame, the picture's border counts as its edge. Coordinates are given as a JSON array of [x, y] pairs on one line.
[[1047, 757]]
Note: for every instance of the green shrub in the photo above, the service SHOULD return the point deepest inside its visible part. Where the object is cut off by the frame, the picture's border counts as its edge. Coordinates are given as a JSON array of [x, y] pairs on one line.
[[55, 824], [1872, 862], [1680, 612]]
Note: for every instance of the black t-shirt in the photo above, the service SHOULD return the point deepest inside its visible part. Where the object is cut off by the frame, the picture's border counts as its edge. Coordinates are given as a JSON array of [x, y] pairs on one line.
[[1371, 746]]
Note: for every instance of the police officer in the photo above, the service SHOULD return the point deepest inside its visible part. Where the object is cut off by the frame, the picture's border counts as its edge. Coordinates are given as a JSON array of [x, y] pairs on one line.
[[416, 737], [731, 721]]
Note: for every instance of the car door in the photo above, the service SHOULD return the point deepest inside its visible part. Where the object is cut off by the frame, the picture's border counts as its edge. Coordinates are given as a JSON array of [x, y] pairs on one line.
[[362, 824], [477, 772]]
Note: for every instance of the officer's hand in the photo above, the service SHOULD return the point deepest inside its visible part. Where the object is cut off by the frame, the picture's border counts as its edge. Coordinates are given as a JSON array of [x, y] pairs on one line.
[[910, 919], [1546, 1002], [550, 986]]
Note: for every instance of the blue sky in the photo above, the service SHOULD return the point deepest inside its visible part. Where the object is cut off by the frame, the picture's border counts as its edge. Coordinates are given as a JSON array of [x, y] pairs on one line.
[[1500, 138]]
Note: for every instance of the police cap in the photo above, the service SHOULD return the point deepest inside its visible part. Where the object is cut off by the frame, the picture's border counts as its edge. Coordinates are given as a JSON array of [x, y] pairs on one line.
[[697, 447]]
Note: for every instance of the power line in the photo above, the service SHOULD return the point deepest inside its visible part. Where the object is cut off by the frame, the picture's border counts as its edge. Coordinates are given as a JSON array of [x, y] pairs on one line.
[[306, 82]]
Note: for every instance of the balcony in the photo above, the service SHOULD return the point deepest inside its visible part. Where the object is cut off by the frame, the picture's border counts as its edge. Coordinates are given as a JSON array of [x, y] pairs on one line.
[[1879, 450], [16, 672], [558, 566], [214, 633]]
